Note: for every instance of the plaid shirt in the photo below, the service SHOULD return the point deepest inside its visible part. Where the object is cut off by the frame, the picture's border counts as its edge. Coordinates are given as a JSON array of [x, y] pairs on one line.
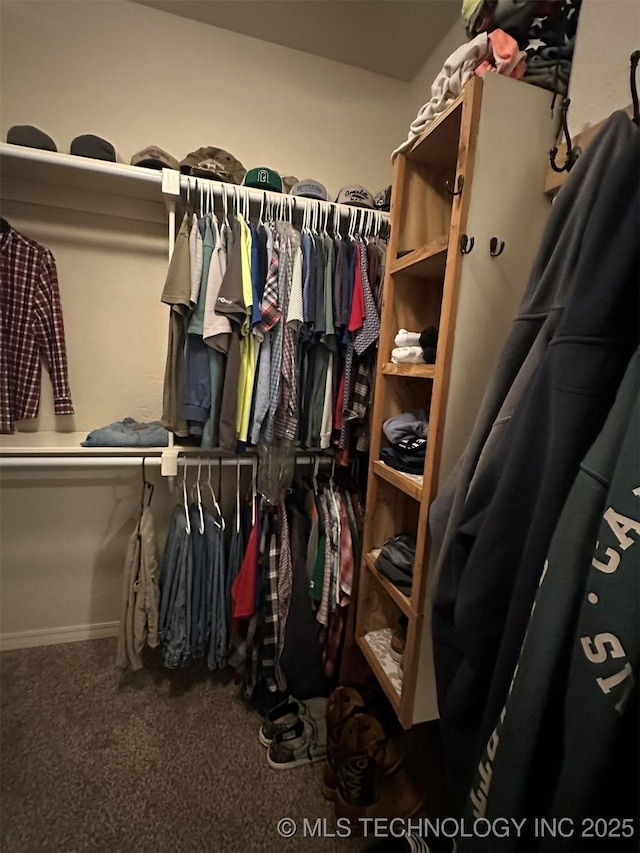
[[32, 326], [270, 555]]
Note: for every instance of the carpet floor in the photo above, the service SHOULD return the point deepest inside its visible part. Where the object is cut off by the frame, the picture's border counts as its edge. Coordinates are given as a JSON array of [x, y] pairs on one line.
[[162, 761]]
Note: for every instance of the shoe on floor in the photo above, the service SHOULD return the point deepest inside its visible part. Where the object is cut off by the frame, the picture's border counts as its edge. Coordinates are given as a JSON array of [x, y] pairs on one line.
[[304, 743], [342, 705], [285, 715], [398, 641]]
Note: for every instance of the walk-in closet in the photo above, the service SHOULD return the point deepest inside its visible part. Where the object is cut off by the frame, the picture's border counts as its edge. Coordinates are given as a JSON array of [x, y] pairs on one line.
[[319, 448]]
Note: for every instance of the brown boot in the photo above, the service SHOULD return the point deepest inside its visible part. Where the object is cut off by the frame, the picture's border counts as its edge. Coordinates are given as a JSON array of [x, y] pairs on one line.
[[365, 789], [342, 704]]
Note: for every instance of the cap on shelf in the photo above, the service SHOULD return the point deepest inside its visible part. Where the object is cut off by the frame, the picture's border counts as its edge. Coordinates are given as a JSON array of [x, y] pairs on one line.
[[215, 164], [263, 179], [154, 158], [355, 195], [310, 189], [30, 137], [92, 146]]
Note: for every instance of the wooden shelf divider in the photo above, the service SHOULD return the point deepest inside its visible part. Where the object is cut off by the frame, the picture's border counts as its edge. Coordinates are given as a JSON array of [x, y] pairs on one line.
[[402, 601], [417, 371], [410, 484], [427, 261]]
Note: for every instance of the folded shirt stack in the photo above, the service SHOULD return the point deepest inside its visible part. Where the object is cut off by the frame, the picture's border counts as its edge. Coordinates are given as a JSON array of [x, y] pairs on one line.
[[415, 347], [395, 561], [128, 433], [408, 436]]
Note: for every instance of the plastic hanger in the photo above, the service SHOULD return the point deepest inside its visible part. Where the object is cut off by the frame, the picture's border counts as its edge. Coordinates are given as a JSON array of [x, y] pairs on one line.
[[254, 489], [214, 500], [198, 497], [185, 496], [237, 494]]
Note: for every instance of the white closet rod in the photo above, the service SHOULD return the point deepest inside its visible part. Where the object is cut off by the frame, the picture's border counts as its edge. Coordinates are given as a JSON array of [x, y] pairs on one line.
[[283, 200], [124, 461]]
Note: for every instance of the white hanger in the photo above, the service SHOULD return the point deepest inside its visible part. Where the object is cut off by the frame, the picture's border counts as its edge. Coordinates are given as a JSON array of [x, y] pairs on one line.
[[237, 494], [198, 493], [254, 489], [225, 205], [185, 496], [216, 505]]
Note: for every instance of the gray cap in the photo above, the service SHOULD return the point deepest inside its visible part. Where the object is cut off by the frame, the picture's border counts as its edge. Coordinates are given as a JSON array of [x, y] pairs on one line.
[[355, 195], [30, 137], [310, 189], [94, 147], [154, 158]]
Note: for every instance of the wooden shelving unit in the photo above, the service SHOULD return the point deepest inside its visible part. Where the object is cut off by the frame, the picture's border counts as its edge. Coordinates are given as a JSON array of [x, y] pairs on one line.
[[472, 299]]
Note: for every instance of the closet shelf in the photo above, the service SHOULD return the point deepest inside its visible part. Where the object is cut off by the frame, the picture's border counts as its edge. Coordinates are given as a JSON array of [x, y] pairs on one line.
[[418, 371], [410, 484], [438, 144], [70, 172], [376, 646], [427, 261], [392, 591]]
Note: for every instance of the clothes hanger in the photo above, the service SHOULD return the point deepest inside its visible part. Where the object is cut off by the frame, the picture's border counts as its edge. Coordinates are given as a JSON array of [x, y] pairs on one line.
[[147, 488], [185, 497], [220, 524], [633, 65], [254, 490], [198, 497], [237, 494]]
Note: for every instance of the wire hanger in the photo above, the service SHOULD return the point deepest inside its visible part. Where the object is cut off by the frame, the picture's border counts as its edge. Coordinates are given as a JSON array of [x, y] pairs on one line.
[[198, 498], [214, 500], [572, 153], [147, 488], [633, 66]]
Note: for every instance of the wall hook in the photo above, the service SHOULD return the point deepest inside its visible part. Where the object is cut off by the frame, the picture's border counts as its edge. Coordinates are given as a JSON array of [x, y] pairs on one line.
[[572, 153], [494, 249], [634, 59], [466, 244], [460, 185]]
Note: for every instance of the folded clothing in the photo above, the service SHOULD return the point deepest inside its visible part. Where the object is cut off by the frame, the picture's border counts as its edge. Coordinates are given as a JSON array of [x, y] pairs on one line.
[[413, 424], [395, 561], [406, 455], [407, 355], [128, 433], [407, 339]]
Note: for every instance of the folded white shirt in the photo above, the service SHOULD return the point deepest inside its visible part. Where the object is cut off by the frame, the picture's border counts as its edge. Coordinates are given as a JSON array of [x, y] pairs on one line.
[[407, 339], [407, 355]]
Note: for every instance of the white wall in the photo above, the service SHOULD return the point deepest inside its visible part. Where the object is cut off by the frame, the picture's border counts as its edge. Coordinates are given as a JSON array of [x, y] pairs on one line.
[[138, 76], [608, 33]]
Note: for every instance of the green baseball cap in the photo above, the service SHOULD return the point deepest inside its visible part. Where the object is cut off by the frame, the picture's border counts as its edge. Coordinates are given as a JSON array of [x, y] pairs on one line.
[[263, 179]]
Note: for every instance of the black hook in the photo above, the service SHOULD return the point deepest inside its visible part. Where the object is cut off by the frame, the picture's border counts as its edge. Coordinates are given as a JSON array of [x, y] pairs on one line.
[[146, 485], [466, 244], [460, 185], [493, 245], [572, 153], [633, 63]]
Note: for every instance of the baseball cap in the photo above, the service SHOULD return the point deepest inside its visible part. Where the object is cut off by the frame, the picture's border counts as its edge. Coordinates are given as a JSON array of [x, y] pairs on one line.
[[214, 163], [30, 137], [154, 158], [355, 195], [288, 181], [263, 179], [382, 201], [89, 145], [310, 189]]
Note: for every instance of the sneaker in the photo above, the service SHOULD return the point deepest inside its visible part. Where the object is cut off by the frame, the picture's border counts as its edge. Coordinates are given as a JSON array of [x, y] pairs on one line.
[[398, 640], [285, 715], [304, 743]]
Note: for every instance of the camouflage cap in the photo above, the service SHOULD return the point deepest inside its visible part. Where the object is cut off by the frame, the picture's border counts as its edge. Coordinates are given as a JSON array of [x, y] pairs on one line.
[[214, 163]]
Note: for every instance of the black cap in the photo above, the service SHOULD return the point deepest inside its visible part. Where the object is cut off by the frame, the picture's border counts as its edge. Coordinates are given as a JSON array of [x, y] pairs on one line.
[[31, 137], [93, 146]]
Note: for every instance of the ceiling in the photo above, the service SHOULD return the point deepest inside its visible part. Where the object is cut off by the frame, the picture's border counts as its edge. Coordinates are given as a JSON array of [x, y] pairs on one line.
[[392, 37]]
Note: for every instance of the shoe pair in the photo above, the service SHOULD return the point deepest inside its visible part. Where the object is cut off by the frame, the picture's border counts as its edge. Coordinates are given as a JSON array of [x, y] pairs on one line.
[[364, 773], [295, 733]]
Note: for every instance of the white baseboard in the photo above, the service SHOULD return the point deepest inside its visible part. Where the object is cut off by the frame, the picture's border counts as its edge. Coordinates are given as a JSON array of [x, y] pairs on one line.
[[51, 636]]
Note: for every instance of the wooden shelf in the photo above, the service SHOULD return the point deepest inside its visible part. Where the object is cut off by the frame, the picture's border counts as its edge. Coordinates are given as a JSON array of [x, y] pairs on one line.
[[410, 484], [427, 261], [438, 144], [417, 371], [401, 600], [388, 673]]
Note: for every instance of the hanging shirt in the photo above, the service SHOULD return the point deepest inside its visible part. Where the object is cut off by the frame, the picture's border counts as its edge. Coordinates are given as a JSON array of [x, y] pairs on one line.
[[247, 343], [32, 326], [216, 327], [195, 258]]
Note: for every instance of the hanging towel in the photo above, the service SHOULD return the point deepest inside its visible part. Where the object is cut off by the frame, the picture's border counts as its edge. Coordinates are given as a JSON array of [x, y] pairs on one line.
[[505, 57]]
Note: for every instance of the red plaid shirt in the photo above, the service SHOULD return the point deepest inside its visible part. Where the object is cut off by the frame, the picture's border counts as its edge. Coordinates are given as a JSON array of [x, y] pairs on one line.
[[32, 326]]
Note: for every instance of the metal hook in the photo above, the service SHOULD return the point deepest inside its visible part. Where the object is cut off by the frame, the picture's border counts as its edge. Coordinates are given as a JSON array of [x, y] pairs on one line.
[[493, 245], [572, 153], [466, 244], [633, 65], [459, 185]]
